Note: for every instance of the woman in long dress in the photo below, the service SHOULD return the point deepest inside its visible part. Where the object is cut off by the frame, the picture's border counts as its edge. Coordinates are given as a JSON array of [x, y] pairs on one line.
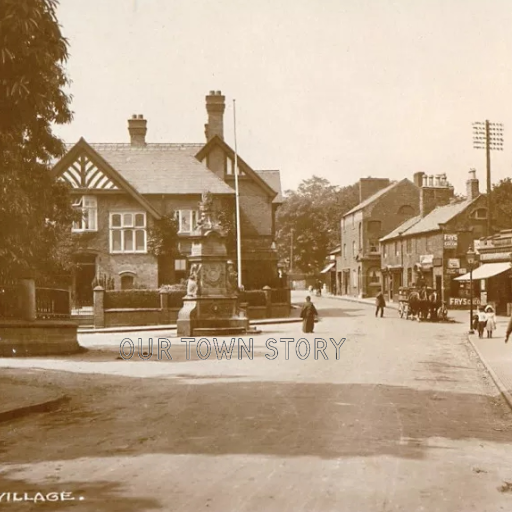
[[308, 315]]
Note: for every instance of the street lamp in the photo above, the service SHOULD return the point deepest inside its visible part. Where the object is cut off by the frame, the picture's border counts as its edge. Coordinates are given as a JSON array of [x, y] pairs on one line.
[[470, 259]]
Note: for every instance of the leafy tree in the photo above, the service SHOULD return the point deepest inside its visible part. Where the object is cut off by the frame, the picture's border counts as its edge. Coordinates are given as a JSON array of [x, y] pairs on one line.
[[501, 199], [163, 237], [225, 214], [35, 211], [311, 216]]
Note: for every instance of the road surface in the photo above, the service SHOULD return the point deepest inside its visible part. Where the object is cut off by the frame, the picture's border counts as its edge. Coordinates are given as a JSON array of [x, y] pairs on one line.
[[405, 419]]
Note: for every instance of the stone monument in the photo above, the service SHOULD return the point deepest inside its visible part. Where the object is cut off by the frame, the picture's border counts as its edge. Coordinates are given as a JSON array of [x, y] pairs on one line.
[[211, 304]]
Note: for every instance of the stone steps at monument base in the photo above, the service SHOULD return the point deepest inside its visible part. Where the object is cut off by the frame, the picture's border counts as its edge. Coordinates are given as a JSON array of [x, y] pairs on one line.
[[218, 331]]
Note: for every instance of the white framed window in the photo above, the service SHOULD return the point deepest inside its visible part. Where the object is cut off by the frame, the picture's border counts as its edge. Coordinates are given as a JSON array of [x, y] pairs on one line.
[[89, 208], [128, 232], [180, 265], [187, 220]]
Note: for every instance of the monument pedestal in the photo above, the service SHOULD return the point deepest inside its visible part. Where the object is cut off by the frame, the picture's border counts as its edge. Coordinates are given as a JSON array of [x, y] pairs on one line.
[[208, 316], [211, 304]]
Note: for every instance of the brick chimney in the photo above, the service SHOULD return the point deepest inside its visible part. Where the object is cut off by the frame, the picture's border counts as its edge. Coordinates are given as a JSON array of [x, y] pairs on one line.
[[370, 186], [137, 127], [472, 186], [418, 179], [215, 107], [435, 191]]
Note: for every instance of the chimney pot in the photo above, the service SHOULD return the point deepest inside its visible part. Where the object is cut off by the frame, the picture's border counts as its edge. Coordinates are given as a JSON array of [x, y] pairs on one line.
[[212, 93], [134, 116], [218, 93]]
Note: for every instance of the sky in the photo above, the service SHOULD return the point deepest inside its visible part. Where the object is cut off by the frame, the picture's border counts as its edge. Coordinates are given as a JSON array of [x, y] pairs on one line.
[[341, 89]]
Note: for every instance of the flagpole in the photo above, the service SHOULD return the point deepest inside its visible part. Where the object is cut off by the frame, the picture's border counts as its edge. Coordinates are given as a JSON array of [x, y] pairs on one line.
[[237, 199]]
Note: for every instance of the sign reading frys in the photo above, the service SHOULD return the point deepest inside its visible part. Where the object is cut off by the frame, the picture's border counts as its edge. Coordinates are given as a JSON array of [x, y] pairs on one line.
[[450, 241]]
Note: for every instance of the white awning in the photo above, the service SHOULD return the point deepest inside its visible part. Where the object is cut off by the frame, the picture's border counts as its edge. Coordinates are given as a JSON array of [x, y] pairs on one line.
[[329, 267], [485, 271]]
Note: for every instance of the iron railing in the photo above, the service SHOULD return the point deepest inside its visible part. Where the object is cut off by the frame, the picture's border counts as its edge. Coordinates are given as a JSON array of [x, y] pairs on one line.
[[52, 303]]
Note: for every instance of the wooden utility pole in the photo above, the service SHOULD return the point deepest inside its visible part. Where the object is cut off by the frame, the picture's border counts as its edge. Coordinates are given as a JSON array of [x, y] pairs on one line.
[[488, 136]]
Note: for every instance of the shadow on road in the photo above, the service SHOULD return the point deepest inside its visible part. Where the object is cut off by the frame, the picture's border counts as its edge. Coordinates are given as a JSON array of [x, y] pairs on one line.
[[110, 416]]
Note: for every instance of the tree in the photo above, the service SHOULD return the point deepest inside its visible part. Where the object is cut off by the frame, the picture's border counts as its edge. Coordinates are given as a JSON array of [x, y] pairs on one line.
[[314, 214], [35, 211], [501, 200]]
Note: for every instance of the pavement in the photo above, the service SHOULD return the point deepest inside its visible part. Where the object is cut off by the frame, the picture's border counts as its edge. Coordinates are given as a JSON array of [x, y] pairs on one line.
[[401, 416]]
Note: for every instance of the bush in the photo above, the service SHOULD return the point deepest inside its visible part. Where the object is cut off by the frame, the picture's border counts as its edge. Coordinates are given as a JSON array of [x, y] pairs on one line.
[[128, 299]]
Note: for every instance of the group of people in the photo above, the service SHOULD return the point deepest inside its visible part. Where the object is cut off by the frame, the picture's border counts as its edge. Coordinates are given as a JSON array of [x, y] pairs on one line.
[[485, 320]]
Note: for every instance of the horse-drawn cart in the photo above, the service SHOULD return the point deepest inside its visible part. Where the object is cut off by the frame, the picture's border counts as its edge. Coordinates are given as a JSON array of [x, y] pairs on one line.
[[403, 302]]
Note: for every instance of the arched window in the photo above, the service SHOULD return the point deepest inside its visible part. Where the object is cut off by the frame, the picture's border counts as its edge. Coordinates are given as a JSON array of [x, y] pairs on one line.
[[373, 276], [127, 281], [406, 210]]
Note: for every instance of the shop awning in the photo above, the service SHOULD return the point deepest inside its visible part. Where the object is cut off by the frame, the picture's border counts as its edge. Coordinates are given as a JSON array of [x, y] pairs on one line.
[[485, 271], [328, 267]]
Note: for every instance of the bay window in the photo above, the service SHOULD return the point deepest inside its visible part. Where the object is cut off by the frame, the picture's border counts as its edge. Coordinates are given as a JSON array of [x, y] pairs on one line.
[[128, 232]]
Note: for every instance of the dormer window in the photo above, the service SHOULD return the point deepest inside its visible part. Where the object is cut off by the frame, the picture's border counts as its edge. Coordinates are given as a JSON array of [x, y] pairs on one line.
[[480, 213], [230, 166], [89, 208]]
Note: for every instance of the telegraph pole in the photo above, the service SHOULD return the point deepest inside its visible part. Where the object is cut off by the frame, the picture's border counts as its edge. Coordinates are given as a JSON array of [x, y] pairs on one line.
[[488, 136]]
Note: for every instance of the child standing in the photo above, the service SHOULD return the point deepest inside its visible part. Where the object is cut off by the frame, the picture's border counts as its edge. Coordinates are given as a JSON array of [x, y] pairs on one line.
[[482, 321], [490, 323]]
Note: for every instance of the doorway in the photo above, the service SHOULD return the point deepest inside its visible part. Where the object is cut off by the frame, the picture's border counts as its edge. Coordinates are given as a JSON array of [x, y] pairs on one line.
[[84, 274]]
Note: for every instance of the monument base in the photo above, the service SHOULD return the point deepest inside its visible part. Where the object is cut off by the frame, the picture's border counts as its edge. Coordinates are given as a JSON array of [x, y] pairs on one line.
[[210, 316]]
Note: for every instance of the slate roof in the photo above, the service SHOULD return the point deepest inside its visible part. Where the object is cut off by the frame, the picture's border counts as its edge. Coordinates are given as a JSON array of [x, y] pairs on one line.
[[371, 199], [431, 222], [402, 228], [162, 168], [273, 178]]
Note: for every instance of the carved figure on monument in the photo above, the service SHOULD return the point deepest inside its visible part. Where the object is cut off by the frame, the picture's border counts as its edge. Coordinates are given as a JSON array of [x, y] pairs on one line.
[[232, 280], [205, 211], [193, 281]]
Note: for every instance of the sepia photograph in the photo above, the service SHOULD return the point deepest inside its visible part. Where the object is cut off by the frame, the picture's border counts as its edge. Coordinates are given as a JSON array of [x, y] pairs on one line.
[[255, 256]]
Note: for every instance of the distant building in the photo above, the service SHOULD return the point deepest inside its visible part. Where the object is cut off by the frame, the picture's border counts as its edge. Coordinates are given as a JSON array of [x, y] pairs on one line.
[[430, 249], [122, 189], [383, 205]]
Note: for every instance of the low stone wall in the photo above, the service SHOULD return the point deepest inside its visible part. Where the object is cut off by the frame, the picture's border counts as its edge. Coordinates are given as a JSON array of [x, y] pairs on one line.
[[22, 338], [139, 316], [122, 317]]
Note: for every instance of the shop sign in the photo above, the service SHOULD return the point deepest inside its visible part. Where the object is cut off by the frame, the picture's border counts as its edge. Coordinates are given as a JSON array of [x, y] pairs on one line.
[[426, 261], [463, 302], [450, 241], [453, 263], [452, 271]]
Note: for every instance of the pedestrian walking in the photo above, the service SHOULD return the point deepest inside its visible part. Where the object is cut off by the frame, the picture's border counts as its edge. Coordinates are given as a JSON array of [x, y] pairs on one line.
[[509, 330], [482, 321], [490, 324], [380, 304], [308, 315]]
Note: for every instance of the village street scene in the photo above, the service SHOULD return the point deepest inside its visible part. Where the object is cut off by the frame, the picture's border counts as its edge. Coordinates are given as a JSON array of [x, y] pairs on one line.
[[236, 278]]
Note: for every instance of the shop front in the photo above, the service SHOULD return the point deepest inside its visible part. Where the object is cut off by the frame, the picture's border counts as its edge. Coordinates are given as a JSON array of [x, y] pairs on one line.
[[492, 284]]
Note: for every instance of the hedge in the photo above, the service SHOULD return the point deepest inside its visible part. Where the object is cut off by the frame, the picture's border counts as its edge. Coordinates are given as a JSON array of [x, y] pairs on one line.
[[127, 299]]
